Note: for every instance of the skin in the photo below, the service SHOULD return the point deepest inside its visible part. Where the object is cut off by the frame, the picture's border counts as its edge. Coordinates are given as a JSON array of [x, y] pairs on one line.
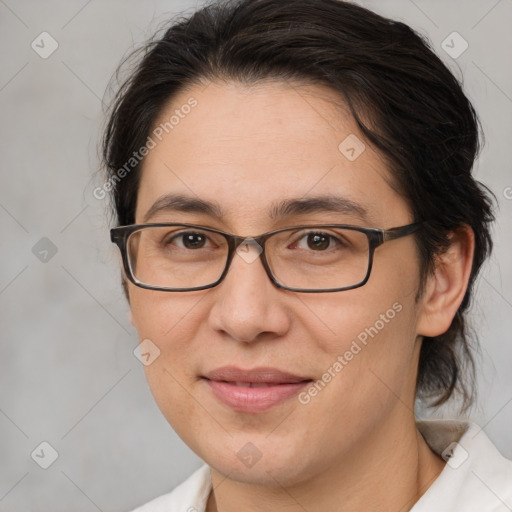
[[355, 445]]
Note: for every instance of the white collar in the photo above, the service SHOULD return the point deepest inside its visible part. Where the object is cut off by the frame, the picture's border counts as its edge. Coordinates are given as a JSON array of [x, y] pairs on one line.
[[476, 477]]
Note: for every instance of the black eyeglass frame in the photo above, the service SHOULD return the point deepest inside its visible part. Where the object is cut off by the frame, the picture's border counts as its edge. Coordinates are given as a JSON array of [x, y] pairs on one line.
[[376, 237]]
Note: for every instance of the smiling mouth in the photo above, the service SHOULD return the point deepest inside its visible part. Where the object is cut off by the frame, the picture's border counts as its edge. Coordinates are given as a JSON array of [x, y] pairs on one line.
[[253, 390]]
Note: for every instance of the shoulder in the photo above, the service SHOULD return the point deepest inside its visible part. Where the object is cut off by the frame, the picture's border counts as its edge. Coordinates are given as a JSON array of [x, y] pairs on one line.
[[190, 496], [476, 478]]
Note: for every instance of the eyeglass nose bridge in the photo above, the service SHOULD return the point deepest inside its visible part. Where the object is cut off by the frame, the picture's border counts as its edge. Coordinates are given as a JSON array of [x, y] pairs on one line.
[[241, 245]]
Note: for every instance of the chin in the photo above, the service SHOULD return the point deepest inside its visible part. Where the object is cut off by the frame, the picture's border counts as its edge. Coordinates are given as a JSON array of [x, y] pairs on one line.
[[265, 473], [257, 462]]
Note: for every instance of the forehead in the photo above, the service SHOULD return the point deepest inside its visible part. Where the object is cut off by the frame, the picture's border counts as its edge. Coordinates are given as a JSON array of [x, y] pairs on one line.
[[249, 147]]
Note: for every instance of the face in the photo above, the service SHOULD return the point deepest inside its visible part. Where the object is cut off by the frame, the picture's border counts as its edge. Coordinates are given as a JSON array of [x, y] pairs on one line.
[[248, 149]]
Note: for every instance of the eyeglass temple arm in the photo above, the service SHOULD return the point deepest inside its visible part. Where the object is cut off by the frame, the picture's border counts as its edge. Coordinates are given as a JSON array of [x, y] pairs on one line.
[[394, 233]]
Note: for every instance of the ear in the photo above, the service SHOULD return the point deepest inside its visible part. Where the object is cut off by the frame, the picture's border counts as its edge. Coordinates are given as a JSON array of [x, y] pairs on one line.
[[445, 288]]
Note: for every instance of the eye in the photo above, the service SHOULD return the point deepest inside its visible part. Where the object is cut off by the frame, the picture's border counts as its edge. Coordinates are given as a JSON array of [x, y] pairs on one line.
[[317, 241], [187, 240]]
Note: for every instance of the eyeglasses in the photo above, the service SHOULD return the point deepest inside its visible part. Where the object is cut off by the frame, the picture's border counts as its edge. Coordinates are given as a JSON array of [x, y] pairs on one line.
[[307, 258]]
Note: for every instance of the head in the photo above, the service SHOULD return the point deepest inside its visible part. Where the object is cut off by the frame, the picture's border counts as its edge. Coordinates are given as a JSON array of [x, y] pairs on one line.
[[247, 105]]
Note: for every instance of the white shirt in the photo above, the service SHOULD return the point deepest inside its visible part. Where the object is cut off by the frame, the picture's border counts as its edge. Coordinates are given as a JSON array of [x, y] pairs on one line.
[[476, 477]]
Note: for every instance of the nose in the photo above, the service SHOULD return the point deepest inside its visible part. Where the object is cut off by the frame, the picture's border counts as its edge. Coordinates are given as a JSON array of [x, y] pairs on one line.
[[246, 303]]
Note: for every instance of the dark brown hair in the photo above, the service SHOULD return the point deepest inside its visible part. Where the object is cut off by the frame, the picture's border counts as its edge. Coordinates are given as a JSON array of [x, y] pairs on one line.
[[404, 99]]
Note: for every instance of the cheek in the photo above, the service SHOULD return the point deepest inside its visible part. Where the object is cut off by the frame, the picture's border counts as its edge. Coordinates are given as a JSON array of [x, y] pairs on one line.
[[164, 316], [170, 323], [366, 337], [335, 322], [367, 368]]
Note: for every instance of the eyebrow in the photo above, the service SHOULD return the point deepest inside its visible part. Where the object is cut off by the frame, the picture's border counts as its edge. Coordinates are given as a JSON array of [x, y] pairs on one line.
[[283, 208]]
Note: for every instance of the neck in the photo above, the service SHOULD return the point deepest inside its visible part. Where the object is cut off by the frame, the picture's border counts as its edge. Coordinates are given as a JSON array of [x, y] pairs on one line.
[[390, 470]]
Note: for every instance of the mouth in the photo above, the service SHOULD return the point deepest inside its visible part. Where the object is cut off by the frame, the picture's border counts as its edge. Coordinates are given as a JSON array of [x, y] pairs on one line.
[[255, 390]]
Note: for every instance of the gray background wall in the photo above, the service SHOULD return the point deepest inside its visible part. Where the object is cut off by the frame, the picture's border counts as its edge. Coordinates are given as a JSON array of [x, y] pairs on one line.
[[68, 375]]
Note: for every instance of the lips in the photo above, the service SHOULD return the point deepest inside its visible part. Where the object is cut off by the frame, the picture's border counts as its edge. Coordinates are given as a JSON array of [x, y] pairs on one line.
[[255, 390]]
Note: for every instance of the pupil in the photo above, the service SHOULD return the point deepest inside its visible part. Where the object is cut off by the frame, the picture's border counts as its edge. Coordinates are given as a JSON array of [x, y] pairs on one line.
[[318, 241], [194, 240]]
